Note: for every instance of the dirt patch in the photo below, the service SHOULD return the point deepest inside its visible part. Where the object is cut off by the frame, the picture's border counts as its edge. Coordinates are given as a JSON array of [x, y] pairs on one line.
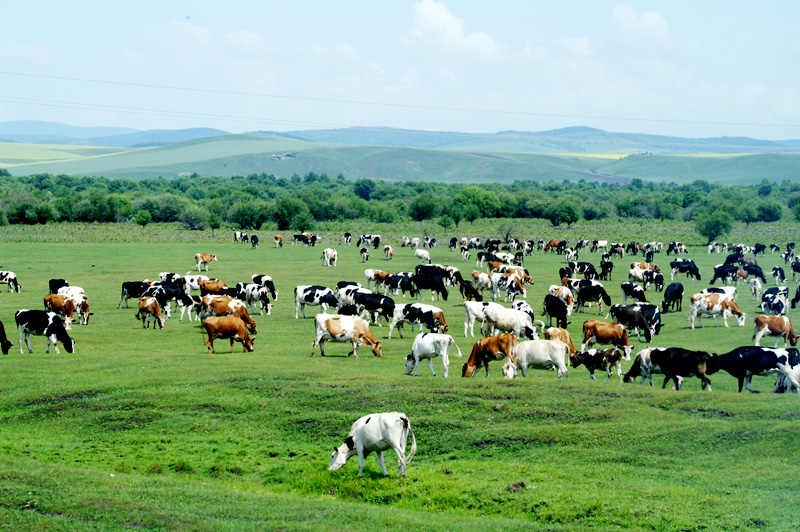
[[75, 396]]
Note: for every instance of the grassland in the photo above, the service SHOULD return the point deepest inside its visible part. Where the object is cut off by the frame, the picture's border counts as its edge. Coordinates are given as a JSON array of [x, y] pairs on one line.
[[143, 429]]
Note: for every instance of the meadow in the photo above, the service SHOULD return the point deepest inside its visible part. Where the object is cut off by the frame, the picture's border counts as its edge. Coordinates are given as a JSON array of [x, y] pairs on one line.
[[144, 429]]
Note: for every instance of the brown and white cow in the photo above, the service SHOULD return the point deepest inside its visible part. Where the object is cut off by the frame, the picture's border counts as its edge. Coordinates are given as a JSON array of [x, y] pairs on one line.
[[149, 309], [278, 241], [78, 296], [225, 327], [202, 259], [645, 266], [388, 251], [378, 276], [343, 329], [557, 333], [211, 286], [227, 306], [603, 332], [719, 305], [778, 326], [61, 305], [487, 349]]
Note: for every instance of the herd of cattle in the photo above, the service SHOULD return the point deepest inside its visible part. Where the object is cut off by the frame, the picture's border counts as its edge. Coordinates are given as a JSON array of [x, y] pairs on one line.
[[512, 335]]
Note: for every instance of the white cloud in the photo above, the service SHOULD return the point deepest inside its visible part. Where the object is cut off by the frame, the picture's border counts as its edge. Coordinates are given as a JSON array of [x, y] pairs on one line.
[[578, 46], [435, 25], [650, 25], [40, 55], [246, 41], [343, 51]]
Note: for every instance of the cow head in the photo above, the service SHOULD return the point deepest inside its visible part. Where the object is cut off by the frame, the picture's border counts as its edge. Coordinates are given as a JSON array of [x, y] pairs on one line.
[[509, 370], [577, 359], [247, 343], [342, 454], [409, 364], [626, 351], [6, 345]]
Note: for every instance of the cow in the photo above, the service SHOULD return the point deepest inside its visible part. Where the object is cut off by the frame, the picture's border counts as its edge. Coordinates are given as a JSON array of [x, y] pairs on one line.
[[255, 293], [726, 272], [754, 269], [509, 320], [718, 305], [397, 284], [598, 245], [633, 291], [774, 304], [348, 237], [61, 305], [5, 344], [386, 431], [553, 307], [778, 275], [468, 291], [343, 329], [313, 295], [676, 363], [203, 259], [474, 310], [745, 362], [434, 283], [510, 283], [487, 349], [755, 288], [267, 282], [10, 278], [527, 309], [329, 257], [149, 309], [642, 367], [654, 278], [301, 238], [603, 332], [192, 282], [42, 323], [778, 326], [557, 333], [227, 306], [211, 286], [412, 314], [422, 256], [592, 294], [673, 297], [686, 266], [55, 284], [254, 241], [430, 345], [594, 359], [366, 240], [278, 239], [644, 317], [676, 248], [239, 237], [388, 252], [77, 294], [132, 289], [375, 275], [546, 354], [586, 268], [364, 252], [225, 327], [605, 271], [382, 306]]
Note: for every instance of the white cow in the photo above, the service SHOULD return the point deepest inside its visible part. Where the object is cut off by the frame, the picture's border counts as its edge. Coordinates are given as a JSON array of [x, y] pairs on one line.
[[377, 432], [501, 319], [545, 354], [329, 257], [476, 310], [422, 255], [755, 287], [414, 243], [430, 345]]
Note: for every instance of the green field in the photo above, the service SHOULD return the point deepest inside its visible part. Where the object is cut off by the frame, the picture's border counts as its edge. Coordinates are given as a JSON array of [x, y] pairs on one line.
[[143, 429]]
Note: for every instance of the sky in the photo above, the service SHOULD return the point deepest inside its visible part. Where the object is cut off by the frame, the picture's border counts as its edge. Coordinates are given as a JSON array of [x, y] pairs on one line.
[[682, 68]]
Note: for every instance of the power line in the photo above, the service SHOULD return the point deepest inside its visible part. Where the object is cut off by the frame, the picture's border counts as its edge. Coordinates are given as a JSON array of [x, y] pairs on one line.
[[396, 105]]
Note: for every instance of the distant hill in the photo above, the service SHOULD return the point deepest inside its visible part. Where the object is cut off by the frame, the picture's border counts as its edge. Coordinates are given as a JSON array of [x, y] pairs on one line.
[[36, 132]]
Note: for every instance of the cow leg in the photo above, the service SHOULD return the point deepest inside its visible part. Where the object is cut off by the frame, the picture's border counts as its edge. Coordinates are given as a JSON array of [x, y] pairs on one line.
[[430, 365], [591, 376], [747, 379], [232, 339], [619, 370], [27, 339], [382, 464], [361, 456]]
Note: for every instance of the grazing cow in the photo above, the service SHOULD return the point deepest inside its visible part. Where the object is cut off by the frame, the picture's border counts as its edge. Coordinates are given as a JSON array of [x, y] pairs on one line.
[[211, 286], [673, 297], [586, 268], [603, 359], [348, 237], [267, 282], [313, 295], [131, 289], [468, 291], [773, 248], [598, 245], [388, 252], [553, 307], [510, 283], [617, 251], [509, 320], [255, 293], [755, 270], [192, 282], [592, 294], [10, 278], [77, 295], [364, 252], [605, 271], [759, 249], [795, 265], [677, 363], [55, 284], [278, 239], [387, 431], [254, 241], [430, 345], [746, 361], [633, 291], [413, 314], [776, 305], [778, 275], [225, 327], [638, 317], [149, 309], [227, 306], [546, 354], [329, 257], [422, 256], [375, 275], [778, 326], [434, 283], [453, 244], [726, 272], [203, 259], [564, 294], [343, 329], [375, 304], [642, 367], [398, 284], [42, 323], [654, 278], [718, 305], [603, 332], [464, 253], [557, 333], [239, 236], [686, 266], [487, 349], [474, 310], [61, 305], [5, 344]]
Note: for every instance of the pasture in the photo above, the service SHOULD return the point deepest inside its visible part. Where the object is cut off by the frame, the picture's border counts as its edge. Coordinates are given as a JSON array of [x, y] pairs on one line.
[[144, 429]]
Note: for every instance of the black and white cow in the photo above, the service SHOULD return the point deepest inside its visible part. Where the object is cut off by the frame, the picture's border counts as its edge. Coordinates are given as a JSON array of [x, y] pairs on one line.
[[591, 293], [434, 283], [42, 323], [673, 298], [643, 316], [255, 293], [131, 289], [795, 265], [395, 284], [55, 284], [654, 278], [376, 305], [633, 291], [727, 272], [553, 307], [686, 266], [779, 275], [321, 296], [677, 363], [366, 240], [745, 362], [586, 268], [266, 280], [10, 278], [412, 315]]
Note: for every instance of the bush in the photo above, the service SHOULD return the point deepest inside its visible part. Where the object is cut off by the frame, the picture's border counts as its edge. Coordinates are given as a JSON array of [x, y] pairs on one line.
[[194, 217], [713, 225]]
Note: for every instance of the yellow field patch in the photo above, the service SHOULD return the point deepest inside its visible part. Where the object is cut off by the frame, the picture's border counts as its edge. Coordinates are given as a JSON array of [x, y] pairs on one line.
[[591, 155], [20, 154]]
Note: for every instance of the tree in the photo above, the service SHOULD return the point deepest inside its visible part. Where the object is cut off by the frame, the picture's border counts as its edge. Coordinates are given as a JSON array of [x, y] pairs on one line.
[[424, 207], [143, 217], [363, 188], [194, 217], [446, 222], [713, 225], [214, 222], [286, 209], [564, 211], [769, 211]]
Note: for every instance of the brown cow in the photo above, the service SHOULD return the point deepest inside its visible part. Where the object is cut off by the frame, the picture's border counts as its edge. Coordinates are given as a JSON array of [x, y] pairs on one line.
[[211, 286], [645, 266], [557, 333], [495, 266], [617, 250], [553, 244], [488, 349], [225, 327], [342, 329], [226, 306], [203, 259], [61, 305], [278, 241], [603, 332], [778, 326], [469, 292], [149, 309]]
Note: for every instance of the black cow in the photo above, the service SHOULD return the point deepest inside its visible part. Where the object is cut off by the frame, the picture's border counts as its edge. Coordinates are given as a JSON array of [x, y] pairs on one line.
[[586, 268], [5, 344], [686, 266], [399, 283], [734, 258], [434, 283], [726, 272], [673, 297], [254, 241], [759, 248], [42, 323], [348, 237], [754, 269], [592, 293], [564, 272], [453, 244], [469, 292], [55, 284], [375, 304], [553, 307], [795, 265], [677, 363], [633, 291], [605, 270], [745, 362], [313, 295], [796, 298], [131, 289]]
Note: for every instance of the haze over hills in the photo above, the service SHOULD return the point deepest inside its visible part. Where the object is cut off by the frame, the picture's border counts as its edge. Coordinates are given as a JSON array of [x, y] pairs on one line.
[[392, 154]]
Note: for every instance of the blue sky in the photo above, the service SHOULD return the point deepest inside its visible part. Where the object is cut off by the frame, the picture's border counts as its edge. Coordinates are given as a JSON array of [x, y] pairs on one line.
[[693, 69]]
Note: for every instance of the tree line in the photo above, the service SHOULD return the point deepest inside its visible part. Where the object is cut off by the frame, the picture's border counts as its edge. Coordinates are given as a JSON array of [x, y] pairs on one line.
[[298, 203]]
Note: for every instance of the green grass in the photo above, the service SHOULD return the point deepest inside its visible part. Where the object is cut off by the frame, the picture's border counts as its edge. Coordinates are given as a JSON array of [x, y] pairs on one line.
[[145, 429]]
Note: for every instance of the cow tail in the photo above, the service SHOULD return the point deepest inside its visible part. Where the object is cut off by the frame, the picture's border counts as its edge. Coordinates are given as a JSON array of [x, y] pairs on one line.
[[455, 344], [413, 441], [203, 333]]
